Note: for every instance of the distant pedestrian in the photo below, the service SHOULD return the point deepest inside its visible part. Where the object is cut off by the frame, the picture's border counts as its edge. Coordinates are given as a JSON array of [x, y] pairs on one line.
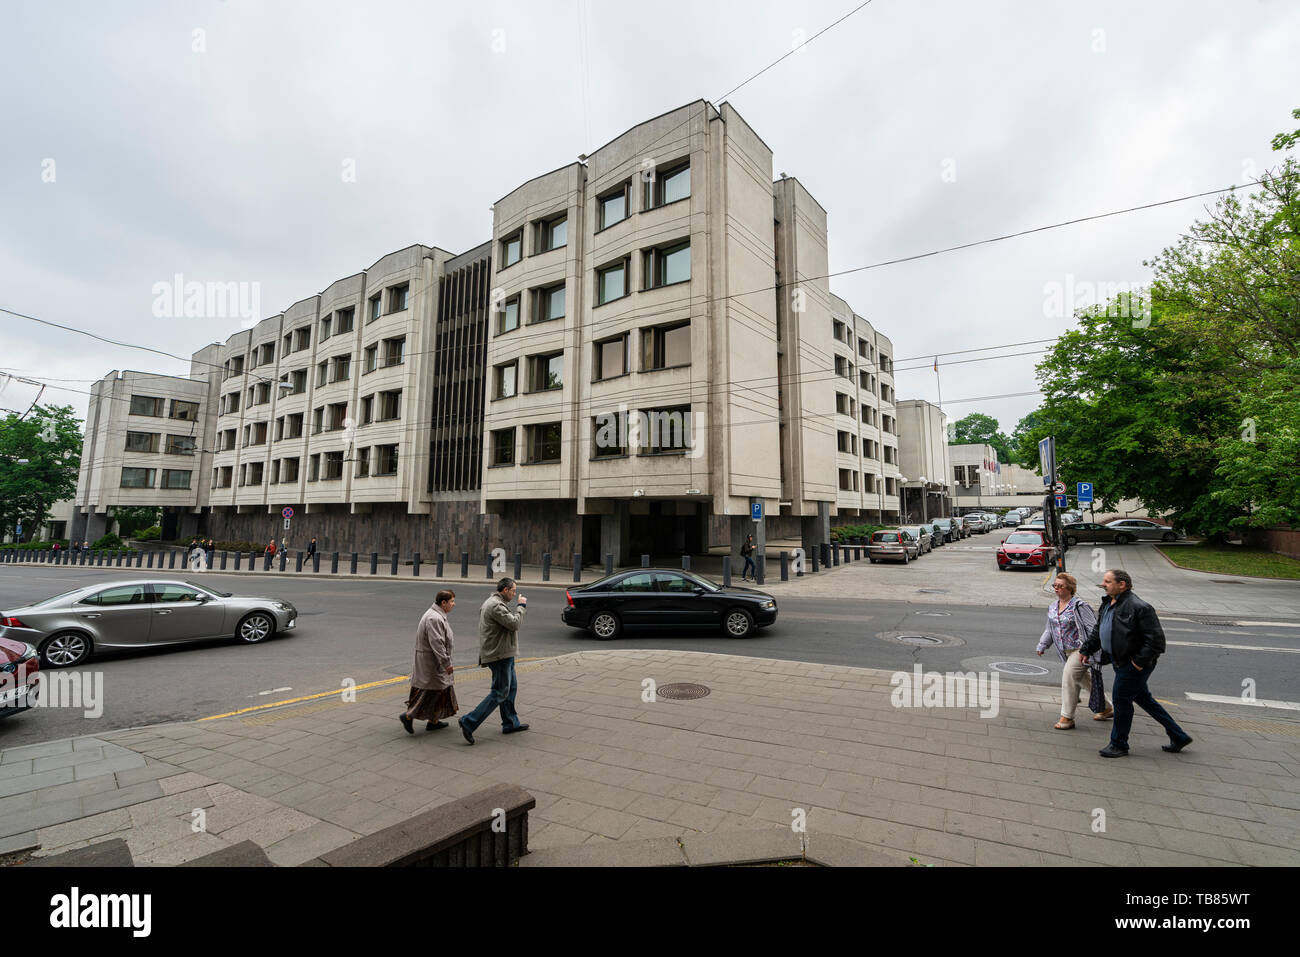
[[211, 549], [311, 548], [1069, 623], [1130, 637], [498, 645], [747, 553], [270, 549], [433, 695]]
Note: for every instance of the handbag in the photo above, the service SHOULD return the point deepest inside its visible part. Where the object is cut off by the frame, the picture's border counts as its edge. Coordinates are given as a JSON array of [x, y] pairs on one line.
[[1097, 696]]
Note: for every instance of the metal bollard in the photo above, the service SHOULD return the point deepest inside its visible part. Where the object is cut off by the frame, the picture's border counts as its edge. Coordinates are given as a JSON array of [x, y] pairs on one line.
[[315, 561], [759, 568], [297, 562], [284, 558], [645, 561], [252, 561], [334, 563], [151, 554], [519, 566], [487, 564], [686, 563], [393, 569], [415, 564], [726, 570], [609, 565], [785, 566], [441, 560], [577, 566], [464, 564], [239, 558], [546, 566], [374, 563], [352, 570], [223, 560], [266, 561]]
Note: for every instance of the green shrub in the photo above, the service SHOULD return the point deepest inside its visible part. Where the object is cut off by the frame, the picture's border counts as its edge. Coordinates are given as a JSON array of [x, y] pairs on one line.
[[108, 541], [35, 546], [150, 534]]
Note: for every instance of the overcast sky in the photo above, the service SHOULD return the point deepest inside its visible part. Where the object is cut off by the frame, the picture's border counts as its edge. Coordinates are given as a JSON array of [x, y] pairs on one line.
[[212, 140]]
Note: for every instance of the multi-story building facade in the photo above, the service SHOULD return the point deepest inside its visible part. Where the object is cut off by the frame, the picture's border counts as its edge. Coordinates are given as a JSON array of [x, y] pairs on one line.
[[644, 351], [924, 460]]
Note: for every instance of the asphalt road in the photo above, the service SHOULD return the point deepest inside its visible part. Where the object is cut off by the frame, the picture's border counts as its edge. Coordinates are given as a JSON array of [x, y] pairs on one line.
[[363, 631]]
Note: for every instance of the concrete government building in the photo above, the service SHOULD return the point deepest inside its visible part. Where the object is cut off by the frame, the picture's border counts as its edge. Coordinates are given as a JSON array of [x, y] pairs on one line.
[[645, 347]]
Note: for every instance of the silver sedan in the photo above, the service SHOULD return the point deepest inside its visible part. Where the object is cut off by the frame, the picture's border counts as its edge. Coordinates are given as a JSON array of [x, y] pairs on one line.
[[140, 614]]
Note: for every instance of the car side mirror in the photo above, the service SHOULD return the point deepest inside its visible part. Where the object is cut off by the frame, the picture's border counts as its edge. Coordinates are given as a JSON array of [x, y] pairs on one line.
[[698, 590]]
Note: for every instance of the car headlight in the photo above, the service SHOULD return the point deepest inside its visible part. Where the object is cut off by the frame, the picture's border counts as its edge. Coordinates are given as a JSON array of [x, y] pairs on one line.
[[282, 606], [769, 605]]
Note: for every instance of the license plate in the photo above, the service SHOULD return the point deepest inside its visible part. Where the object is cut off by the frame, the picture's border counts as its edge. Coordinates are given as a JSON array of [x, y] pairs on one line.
[[1019, 561], [9, 697]]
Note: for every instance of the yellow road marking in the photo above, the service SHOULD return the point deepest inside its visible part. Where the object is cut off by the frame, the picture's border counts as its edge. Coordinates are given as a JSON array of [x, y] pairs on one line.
[[329, 694]]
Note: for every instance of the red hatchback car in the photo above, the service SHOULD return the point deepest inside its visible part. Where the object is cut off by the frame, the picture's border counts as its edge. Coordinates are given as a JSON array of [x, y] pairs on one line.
[[19, 674], [1026, 549]]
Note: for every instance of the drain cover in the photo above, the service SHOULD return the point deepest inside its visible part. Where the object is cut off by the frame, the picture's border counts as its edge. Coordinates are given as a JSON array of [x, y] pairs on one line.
[[1018, 668], [918, 640], [931, 639], [681, 692]]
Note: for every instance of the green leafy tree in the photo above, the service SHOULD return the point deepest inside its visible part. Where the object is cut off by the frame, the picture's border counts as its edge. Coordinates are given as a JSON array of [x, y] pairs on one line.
[[1284, 141], [1024, 440], [40, 456], [980, 429], [134, 518]]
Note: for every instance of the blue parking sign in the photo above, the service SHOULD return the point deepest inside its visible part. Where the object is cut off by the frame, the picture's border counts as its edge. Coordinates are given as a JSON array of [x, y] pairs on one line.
[[756, 511], [1085, 492]]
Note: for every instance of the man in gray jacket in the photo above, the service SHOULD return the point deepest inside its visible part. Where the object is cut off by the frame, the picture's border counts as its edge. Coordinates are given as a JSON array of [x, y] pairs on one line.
[[498, 638]]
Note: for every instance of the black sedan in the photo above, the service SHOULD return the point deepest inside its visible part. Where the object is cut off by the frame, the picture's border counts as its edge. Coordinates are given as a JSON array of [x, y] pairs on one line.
[[663, 598]]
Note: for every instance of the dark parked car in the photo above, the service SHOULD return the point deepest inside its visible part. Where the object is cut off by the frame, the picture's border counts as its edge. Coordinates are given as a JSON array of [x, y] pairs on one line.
[[1077, 532], [948, 529], [19, 676], [1023, 549], [140, 614], [1142, 530], [666, 599]]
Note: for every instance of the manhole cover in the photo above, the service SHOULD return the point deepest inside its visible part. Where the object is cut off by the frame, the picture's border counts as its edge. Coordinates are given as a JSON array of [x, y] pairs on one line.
[[1021, 668], [918, 640], [681, 692], [924, 640]]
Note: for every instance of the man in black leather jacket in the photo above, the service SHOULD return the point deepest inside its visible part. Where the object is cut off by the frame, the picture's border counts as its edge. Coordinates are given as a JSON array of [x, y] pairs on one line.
[[1130, 637]]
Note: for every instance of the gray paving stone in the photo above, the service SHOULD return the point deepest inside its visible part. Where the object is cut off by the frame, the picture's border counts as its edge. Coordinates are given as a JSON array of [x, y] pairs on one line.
[[19, 842], [43, 815], [66, 760], [655, 852], [29, 752], [20, 784], [121, 797], [108, 766], [734, 847], [307, 843]]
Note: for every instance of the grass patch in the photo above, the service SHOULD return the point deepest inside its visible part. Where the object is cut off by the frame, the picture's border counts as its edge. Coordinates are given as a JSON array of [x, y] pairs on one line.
[[1232, 560]]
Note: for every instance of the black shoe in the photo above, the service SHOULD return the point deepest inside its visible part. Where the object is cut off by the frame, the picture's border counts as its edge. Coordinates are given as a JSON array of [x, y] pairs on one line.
[[522, 727], [469, 735], [406, 723], [1110, 751], [1177, 746], [435, 725]]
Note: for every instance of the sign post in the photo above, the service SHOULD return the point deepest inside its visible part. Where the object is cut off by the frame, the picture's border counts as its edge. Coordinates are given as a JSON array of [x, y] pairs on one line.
[[287, 512], [1047, 459]]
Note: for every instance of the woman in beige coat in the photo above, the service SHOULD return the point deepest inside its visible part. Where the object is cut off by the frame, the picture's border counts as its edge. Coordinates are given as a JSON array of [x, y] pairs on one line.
[[432, 693]]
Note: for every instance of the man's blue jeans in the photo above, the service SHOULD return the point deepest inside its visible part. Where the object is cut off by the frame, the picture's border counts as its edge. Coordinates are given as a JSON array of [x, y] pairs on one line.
[[1130, 688], [502, 695], [749, 567]]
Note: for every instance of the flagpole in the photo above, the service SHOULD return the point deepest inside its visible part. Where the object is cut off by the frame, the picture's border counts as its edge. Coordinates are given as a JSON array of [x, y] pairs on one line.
[[937, 381]]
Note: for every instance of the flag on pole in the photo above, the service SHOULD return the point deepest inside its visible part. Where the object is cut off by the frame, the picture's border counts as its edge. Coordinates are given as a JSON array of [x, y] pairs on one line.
[[936, 363]]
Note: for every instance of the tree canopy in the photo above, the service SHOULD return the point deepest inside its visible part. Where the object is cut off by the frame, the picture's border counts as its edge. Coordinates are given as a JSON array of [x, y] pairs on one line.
[[40, 456], [980, 429]]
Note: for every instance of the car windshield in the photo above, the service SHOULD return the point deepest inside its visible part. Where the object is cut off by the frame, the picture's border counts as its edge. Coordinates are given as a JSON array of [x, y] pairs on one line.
[[205, 589], [1024, 538], [943, 521]]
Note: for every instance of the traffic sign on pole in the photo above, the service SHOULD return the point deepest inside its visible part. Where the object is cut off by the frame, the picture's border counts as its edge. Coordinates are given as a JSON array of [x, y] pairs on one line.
[[756, 511], [287, 511], [1060, 501], [1085, 492], [1059, 488]]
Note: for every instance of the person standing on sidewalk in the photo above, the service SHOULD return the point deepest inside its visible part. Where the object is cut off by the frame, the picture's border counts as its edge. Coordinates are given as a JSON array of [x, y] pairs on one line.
[[433, 695], [498, 645], [747, 553], [311, 549], [1069, 622], [1130, 637]]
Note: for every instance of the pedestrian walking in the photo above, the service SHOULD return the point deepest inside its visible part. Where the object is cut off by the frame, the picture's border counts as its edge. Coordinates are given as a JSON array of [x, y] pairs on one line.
[[747, 552], [270, 549], [498, 645], [1129, 635], [311, 548], [211, 549], [1069, 623], [433, 695]]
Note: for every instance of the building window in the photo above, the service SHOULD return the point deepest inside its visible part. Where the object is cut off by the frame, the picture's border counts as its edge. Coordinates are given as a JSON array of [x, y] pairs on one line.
[[142, 442], [258, 433], [375, 303], [505, 380], [289, 470], [180, 445], [552, 233], [512, 248], [611, 358], [317, 420], [503, 446], [263, 392], [340, 368], [324, 330], [363, 462], [367, 410], [394, 351], [313, 468], [288, 344], [336, 414], [398, 297], [266, 354], [298, 380], [611, 282], [548, 304], [546, 372], [186, 411], [322, 373], [846, 484], [666, 430], [862, 348], [542, 443], [612, 208], [390, 405], [664, 347], [227, 476], [667, 187], [176, 478], [371, 358], [293, 426], [302, 339], [147, 405], [255, 473], [279, 428], [137, 478], [509, 316], [343, 321], [667, 265], [333, 466], [837, 330], [609, 438], [385, 459]]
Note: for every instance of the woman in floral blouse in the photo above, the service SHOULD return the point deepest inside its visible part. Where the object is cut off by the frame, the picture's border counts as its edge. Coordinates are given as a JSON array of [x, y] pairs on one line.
[[1069, 622]]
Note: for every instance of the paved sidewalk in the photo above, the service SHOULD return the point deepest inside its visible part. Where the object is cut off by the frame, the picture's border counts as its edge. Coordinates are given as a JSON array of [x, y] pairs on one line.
[[941, 785]]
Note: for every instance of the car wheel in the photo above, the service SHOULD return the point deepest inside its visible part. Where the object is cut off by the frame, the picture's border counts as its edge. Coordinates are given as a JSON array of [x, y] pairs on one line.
[[65, 650], [1121, 539], [738, 623], [605, 626], [255, 627], [1169, 537], [1071, 540], [905, 559], [873, 561]]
